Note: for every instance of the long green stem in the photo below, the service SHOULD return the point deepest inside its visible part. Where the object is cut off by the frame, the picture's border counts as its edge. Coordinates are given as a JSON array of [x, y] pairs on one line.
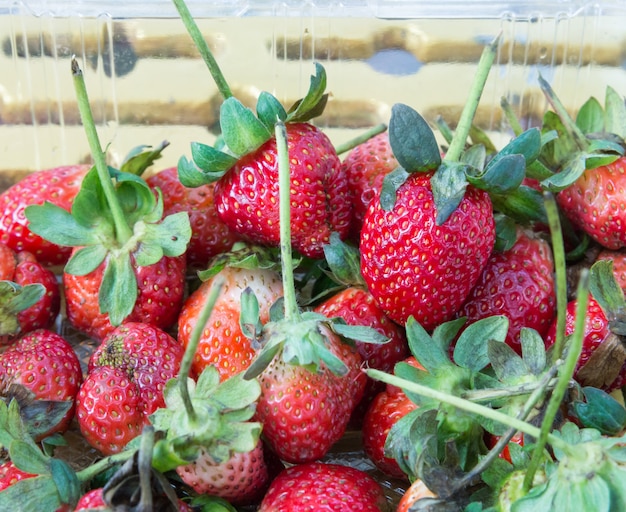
[[511, 117], [471, 407], [145, 467], [123, 231], [203, 48], [467, 116], [565, 374], [488, 395], [360, 139], [87, 474], [558, 251], [284, 197], [192, 346]]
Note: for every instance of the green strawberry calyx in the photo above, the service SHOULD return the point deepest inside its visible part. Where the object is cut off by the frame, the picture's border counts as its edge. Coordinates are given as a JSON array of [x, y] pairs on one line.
[[116, 219], [13, 299]]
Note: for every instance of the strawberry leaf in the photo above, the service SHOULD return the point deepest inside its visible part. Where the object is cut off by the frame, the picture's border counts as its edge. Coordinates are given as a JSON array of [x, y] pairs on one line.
[[448, 186], [169, 237], [28, 457], [615, 113], [533, 350], [590, 117], [314, 102], [141, 157], [391, 183], [58, 226], [243, 132], [118, 291], [523, 204], [471, 349], [86, 260], [508, 366], [249, 318], [344, 261], [269, 110], [412, 140], [38, 493], [236, 393], [502, 175], [432, 355], [600, 411]]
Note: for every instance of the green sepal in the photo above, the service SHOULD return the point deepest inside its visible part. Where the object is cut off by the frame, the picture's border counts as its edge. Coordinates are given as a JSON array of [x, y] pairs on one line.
[[314, 102], [86, 260], [417, 375], [136, 198], [446, 332], [448, 187], [211, 161], [475, 157], [13, 299], [528, 144], [66, 481], [533, 350], [90, 208], [501, 175], [506, 363], [40, 416], [58, 226], [571, 171], [412, 141], [344, 261], [243, 132], [599, 410], [471, 349], [506, 232], [189, 175], [241, 255], [170, 237], [431, 355], [361, 333], [236, 393], [590, 494], [28, 457], [480, 137], [249, 318], [208, 503], [558, 149], [262, 360], [523, 204], [269, 110], [38, 493], [391, 183], [141, 157], [590, 117], [118, 290], [607, 292], [615, 113]]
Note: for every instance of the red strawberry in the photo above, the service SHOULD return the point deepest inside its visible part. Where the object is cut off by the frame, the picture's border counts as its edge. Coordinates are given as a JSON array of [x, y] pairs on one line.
[[59, 186], [94, 500], [619, 265], [317, 486], [45, 364], [124, 384], [241, 479], [357, 307], [10, 474], [246, 197], [23, 269], [304, 412], [415, 267], [416, 491], [209, 235], [160, 286], [517, 283], [222, 342], [366, 166]]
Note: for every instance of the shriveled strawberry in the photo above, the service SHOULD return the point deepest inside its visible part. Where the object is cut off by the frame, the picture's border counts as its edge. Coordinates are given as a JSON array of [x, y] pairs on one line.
[[160, 295], [124, 385], [357, 307], [44, 363], [58, 186], [412, 264], [519, 284], [246, 197], [318, 486], [366, 166], [209, 235], [222, 342], [242, 479], [10, 474]]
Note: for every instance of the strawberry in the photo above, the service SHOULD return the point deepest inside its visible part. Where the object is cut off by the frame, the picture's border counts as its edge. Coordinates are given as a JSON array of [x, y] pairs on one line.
[[246, 197], [318, 486], [124, 384], [38, 307], [59, 186], [92, 500], [517, 283], [160, 296], [416, 491], [10, 474], [209, 235], [366, 166], [222, 343], [46, 365], [619, 265]]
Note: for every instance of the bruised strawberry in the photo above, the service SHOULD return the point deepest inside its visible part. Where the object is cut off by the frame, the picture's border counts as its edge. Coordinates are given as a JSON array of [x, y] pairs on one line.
[[318, 486], [209, 235], [246, 197], [58, 186], [519, 284], [46, 365]]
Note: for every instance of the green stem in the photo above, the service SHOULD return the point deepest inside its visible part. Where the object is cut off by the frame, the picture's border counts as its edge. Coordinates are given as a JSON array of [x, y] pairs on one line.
[[471, 407], [511, 117], [488, 395], [190, 351], [558, 251], [467, 116], [579, 137], [360, 139], [123, 231], [203, 48], [284, 197], [90, 472], [145, 467], [444, 129], [565, 374]]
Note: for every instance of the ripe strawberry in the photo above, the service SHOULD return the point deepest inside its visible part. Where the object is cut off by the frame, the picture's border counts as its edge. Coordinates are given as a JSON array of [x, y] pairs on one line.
[[318, 486], [58, 186], [241, 479], [412, 265], [222, 342], [519, 284], [246, 197], [44, 363], [23, 269], [357, 307], [10, 474], [124, 384], [416, 491], [366, 166], [160, 295], [209, 235]]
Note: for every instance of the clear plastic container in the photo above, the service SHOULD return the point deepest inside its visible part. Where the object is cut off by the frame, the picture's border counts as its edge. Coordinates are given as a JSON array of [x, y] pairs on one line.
[[147, 83]]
